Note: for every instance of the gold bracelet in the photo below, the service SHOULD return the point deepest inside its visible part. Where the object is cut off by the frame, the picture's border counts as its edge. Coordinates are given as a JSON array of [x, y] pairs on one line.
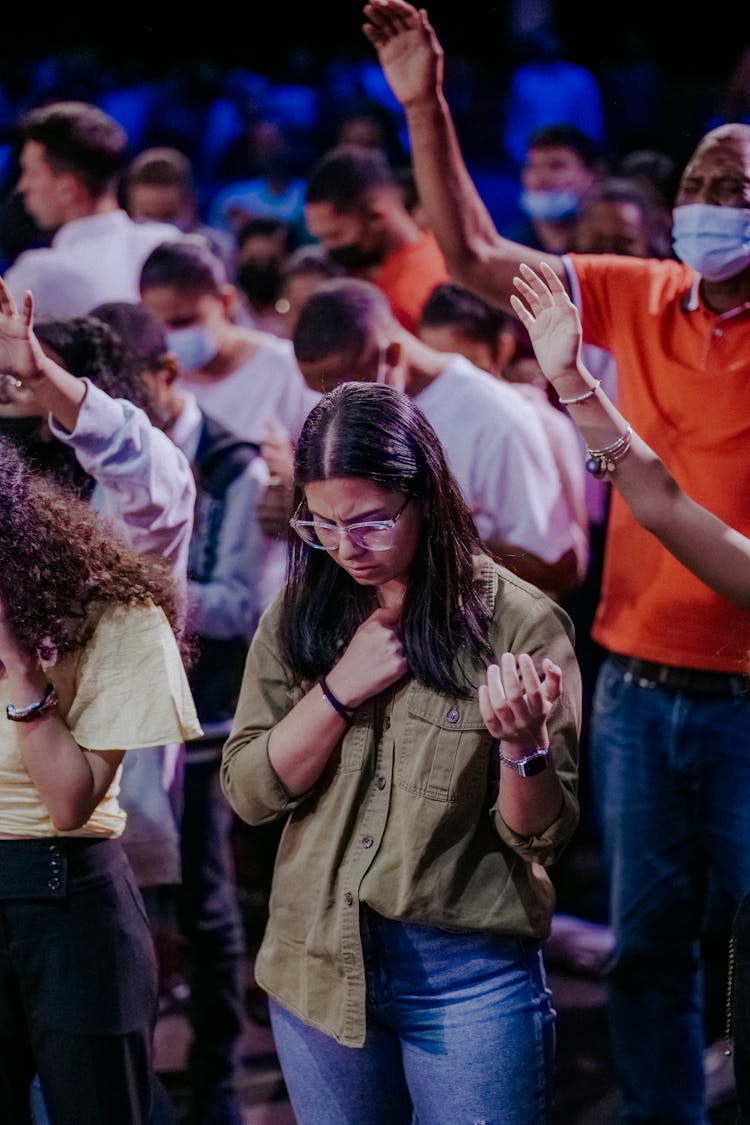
[[599, 462]]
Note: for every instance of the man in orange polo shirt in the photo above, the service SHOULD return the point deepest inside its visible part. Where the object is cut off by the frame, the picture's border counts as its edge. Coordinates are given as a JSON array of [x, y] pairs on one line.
[[671, 709], [355, 207]]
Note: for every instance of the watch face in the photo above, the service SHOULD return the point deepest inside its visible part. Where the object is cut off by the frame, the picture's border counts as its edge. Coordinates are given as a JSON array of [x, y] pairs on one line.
[[533, 766]]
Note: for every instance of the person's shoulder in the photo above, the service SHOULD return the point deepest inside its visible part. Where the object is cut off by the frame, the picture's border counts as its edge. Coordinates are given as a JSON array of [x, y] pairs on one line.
[[617, 279], [38, 258], [150, 232], [503, 588], [477, 388], [635, 270]]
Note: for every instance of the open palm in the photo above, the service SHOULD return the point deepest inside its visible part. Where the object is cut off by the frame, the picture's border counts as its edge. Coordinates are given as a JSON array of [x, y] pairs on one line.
[[20, 352], [550, 318], [408, 50]]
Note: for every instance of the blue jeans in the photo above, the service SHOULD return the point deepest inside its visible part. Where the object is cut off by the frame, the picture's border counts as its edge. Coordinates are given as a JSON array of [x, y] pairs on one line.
[[460, 1028], [671, 777]]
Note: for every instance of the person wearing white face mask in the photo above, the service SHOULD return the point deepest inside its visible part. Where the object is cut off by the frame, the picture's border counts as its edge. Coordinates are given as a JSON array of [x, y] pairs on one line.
[[673, 787]]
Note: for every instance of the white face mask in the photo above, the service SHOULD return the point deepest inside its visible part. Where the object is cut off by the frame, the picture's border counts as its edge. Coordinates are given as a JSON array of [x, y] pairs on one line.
[[193, 346], [715, 241]]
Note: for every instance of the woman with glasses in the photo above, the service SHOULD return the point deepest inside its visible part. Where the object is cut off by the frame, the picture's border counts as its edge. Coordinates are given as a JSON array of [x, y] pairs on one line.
[[411, 709]]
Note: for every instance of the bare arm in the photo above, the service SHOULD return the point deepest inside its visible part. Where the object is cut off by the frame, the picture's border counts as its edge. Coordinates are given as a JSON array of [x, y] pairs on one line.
[[718, 554], [515, 706], [71, 781], [412, 60]]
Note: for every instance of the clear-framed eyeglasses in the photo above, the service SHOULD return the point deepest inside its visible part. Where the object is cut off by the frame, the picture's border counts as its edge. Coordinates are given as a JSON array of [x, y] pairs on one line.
[[371, 535]]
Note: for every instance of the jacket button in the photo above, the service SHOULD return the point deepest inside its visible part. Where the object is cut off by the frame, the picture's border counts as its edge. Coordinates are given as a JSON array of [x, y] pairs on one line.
[[54, 883], [380, 782], [367, 841], [453, 715], [348, 898], [387, 723]]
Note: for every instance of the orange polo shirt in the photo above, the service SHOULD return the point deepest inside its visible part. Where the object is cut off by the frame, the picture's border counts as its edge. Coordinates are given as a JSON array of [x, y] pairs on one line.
[[408, 276], [683, 379]]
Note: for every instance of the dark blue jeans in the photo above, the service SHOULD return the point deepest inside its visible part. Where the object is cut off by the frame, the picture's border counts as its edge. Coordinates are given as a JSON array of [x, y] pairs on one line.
[[671, 777]]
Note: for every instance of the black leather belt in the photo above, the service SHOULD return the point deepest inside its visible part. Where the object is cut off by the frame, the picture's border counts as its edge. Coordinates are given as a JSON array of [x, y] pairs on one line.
[[693, 681]]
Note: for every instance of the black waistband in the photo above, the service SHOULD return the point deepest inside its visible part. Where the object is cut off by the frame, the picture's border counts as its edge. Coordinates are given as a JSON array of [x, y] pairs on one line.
[[691, 681]]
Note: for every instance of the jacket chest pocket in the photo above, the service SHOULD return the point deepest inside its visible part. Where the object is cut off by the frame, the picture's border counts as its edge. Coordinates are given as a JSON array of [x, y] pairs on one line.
[[445, 748]]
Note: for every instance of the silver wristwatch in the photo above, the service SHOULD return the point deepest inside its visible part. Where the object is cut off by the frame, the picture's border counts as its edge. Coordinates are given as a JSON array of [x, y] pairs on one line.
[[528, 766]]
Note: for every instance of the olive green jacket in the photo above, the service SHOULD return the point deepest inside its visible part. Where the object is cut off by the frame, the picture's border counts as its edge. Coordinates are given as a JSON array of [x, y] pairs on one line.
[[403, 817]]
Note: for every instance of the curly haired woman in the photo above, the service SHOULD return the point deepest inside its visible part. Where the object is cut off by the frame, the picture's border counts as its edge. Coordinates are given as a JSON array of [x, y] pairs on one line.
[[91, 668]]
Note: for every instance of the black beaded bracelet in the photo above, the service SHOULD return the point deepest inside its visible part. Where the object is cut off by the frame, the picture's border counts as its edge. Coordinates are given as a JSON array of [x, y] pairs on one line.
[[34, 710], [344, 711]]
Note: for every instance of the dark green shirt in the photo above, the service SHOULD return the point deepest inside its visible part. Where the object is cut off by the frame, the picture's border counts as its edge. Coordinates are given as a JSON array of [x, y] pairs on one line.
[[403, 817]]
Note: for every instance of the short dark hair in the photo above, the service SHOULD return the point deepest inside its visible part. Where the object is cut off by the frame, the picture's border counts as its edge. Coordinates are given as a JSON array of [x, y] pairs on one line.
[[139, 330], [373, 432], [451, 304], [78, 137], [187, 263], [309, 260], [161, 167], [91, 349], [346, 174], [582, 144], [268, 226], [340, 317]]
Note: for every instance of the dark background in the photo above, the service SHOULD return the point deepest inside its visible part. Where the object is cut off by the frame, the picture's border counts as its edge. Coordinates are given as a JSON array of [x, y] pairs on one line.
[[682, 40]]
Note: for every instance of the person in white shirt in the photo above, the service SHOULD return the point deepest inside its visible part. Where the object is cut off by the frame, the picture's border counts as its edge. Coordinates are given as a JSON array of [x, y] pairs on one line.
[[243, 377], [71, 156], [456, 320]]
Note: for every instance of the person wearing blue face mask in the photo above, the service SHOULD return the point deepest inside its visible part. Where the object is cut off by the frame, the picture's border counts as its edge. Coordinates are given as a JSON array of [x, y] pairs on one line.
[[562, 167], [243, 377], [671, 782]]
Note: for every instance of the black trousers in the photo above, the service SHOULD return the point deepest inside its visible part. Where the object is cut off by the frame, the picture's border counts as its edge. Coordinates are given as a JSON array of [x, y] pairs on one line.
[[211, 924], [78, 983]]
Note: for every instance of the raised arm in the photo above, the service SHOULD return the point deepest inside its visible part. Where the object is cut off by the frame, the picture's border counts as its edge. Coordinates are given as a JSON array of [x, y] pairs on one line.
[[412, 61], [146, 482], [41, 384], [718, 554]]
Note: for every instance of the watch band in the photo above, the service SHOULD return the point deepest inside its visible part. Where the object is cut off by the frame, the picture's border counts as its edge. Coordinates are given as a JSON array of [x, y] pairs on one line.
[[528, 766], [33, 711]]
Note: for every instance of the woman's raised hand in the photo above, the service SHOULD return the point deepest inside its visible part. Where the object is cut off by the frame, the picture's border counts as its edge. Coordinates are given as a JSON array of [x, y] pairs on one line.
[[21, 354], [551, 319]]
